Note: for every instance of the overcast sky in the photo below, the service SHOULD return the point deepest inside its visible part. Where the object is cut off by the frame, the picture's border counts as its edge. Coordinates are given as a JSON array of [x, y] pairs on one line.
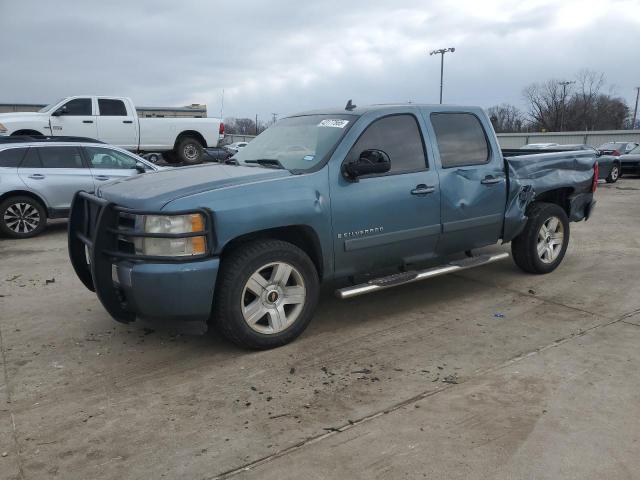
[[289, 55]]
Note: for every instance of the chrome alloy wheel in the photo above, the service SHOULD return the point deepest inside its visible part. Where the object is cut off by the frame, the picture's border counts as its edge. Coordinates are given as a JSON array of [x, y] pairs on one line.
[[550, 239], [22, 218], [615, 173], [190, 152], [273, 298]]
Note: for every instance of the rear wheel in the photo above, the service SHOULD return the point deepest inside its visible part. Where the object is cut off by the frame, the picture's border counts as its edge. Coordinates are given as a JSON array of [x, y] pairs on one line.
[[614, 174], [22, 217], [190, 151], [543, 243], [266, 294]]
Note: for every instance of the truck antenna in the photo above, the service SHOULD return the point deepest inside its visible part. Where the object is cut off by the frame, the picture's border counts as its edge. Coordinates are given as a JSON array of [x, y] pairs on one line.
[[350, 106]]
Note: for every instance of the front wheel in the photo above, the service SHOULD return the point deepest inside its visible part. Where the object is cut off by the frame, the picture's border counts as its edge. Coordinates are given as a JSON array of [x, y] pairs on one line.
[[266, 294], [22, 217], [614, 174], [542, 244]]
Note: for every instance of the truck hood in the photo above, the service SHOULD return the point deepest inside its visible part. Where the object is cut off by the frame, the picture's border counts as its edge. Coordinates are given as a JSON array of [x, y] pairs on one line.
[[21, 116], [154, 190]]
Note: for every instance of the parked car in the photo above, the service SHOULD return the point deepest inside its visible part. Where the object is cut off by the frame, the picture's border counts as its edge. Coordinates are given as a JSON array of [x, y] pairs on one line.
[[235, 147], [38, 178], [538, 146], [114, 120], [609, 166], [376, 192], [216, 154], [574, 147], [616, 148], [630, 162]]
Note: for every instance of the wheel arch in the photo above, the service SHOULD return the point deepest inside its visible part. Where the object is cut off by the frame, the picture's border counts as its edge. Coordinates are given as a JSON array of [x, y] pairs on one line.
[[302, 236], [26, 193], [558, 196], [26, 131], [190, 133]]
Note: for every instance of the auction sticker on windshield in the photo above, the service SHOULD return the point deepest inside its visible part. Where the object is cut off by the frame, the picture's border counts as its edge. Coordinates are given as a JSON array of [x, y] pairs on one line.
[[333, 123]]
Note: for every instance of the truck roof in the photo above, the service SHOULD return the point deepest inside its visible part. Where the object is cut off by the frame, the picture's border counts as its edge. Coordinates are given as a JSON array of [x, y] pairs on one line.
[[361, 110]]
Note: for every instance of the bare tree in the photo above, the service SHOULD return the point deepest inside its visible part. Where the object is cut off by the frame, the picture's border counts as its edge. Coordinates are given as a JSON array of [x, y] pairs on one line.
[[583, 105], [506, 118], [545, 102], [243, 126]]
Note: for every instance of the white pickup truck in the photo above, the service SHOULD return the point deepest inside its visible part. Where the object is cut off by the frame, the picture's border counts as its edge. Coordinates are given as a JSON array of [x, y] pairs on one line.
[[114, 120]]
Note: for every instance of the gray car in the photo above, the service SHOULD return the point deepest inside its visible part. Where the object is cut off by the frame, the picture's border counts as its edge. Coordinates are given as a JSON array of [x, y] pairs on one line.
[[38, 178]]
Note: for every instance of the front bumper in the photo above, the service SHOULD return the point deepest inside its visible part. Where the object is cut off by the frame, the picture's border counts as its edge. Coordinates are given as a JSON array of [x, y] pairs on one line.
[[130, 287]]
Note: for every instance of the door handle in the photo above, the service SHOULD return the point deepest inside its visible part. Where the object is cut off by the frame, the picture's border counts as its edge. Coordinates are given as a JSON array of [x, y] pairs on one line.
[[101, 178], [423, 189], [127, 121], [490, 180], [36, 176], [87, 121]]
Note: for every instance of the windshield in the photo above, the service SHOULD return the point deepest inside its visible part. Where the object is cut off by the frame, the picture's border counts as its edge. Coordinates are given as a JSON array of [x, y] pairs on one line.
[[636, 150], [296, 143], [50, 106]]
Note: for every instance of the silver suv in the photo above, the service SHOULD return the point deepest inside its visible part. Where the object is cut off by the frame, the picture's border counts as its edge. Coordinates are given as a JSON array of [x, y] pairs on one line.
[[38, 178]]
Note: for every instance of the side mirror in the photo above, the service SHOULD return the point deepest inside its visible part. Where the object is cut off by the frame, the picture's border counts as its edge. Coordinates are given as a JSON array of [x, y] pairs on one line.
[[369, 162], [61, 111], [140, 167]]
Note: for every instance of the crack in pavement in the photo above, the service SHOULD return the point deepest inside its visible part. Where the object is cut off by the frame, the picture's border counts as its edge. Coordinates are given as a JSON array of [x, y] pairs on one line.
[[426, 394], [14, 430]]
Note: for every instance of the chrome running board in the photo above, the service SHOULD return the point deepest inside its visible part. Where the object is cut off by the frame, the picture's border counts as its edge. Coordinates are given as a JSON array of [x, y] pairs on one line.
[[415, 276]]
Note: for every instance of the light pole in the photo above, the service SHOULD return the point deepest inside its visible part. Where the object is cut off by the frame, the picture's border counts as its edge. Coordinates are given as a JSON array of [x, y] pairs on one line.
[[564, 95], [442, 51], [635, 110]]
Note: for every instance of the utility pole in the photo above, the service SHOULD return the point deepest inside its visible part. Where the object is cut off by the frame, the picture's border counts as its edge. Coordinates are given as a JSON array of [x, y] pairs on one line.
[[442, 51], [635, 110], [256, 124], [564, 96], [274, 117]]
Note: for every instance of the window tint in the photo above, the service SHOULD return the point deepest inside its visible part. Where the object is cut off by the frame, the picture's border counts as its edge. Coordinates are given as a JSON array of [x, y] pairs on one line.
[[112, 108], [100, 157], [12, 157], [461, 140], [79, 106], [398, 136], [60, 157], [31, 159]]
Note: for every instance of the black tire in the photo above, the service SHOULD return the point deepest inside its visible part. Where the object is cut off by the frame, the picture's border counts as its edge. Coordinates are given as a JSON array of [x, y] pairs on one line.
[[190, 151], [231, 293], [614, 174], [26, 208], [524, 247]]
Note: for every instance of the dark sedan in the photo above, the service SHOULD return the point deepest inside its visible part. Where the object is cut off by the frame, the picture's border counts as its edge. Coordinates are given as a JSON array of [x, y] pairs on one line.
[[630, 162]]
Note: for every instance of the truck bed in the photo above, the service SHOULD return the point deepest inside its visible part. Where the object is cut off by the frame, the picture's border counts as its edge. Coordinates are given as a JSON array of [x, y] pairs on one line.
[[534, 175]]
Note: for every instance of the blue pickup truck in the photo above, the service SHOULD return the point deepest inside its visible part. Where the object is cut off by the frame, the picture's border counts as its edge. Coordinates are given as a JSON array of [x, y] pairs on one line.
[[365, 198]]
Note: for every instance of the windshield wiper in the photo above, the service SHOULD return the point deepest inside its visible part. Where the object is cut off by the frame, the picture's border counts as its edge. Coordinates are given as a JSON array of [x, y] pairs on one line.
[[267, 162]]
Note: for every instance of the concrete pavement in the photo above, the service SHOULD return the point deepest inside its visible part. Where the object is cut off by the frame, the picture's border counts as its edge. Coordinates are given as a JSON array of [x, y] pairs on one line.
[[491, 373]]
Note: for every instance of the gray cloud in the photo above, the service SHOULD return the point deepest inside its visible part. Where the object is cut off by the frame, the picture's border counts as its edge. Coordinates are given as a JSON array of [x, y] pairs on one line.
[[285, 56]]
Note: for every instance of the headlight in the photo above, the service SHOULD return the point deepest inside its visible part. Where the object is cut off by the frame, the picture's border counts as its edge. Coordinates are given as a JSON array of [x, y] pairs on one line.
[[174, 225], [3, 129]]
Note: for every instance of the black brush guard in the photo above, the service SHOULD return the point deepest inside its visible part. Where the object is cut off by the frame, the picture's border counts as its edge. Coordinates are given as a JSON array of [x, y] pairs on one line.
[[93, 242]]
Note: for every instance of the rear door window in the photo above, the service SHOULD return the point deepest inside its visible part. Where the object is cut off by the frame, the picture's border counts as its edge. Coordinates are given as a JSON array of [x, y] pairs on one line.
[[61, 157], [112, 108], [31, 159], [461, 139], [12, 157]]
